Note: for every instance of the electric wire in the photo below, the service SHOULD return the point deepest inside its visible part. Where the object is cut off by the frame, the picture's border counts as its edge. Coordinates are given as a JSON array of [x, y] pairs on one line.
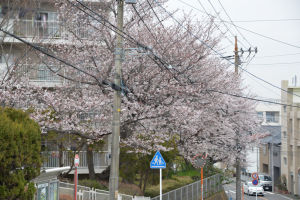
[[155, 14], [221, 56], [223, 34], [227, 60], [100, 82], [261, 35], [253, 99], [222, 21], [234, 24], [115, 87]]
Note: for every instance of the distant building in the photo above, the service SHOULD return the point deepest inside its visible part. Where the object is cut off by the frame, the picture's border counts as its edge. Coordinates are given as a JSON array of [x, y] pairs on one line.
[[255, 158], [269, 152], [290, 137]]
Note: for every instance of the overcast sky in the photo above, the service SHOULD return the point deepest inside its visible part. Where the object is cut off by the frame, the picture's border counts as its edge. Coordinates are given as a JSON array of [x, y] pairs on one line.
[[263, 66]]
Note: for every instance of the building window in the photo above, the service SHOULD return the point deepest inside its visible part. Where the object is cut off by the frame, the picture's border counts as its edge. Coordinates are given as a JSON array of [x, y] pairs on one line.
[[285, 160], [260, 115], [284, 134], [272, 117], [284, 108]]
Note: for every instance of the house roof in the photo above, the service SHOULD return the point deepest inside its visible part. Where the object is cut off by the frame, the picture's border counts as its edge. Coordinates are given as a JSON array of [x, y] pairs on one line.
[[274, 134]]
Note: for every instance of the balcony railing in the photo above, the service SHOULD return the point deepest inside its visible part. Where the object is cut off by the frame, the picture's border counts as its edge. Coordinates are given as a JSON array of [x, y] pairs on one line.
[[41, 73], [44, 29], [37, 28], [51, 159]]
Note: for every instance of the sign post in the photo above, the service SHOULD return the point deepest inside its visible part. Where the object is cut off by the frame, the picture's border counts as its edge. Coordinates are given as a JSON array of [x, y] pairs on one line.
[[76, 164], [158, 162], [255, 182], [199, 162]]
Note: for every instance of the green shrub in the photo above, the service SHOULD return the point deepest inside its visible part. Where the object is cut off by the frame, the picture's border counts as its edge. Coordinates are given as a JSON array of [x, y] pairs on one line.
[[92, 184], [20, 146]]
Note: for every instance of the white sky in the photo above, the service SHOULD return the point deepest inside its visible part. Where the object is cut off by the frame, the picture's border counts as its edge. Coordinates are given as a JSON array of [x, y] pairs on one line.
[[287, 31]]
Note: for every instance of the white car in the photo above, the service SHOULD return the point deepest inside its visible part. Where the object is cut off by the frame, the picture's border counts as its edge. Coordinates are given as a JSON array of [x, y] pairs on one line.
[[251, 189]]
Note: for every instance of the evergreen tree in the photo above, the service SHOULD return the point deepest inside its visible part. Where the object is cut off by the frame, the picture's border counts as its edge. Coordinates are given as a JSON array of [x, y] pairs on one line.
[[20, 160]]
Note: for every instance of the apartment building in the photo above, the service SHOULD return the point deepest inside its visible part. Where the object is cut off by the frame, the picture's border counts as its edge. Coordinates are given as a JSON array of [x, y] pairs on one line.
[[37, 21], [290, 137]]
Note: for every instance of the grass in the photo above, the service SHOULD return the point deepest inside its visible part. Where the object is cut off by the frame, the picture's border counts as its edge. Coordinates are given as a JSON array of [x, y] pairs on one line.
[[168, 185]]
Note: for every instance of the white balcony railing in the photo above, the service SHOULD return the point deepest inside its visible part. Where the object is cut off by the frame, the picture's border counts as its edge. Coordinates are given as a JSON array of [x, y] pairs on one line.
[[37, 28], [41, 73], [51, 159], [45, 29]]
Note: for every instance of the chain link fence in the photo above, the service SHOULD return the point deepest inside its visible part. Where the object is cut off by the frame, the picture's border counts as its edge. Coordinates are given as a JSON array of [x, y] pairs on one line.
[[211, 185]]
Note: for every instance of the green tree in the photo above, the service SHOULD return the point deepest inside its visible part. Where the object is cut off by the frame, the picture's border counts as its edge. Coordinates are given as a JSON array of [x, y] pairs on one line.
[[20, 160]]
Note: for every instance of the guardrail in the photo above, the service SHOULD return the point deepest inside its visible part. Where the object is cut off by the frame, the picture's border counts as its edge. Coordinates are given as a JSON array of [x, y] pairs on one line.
[[193, 191]]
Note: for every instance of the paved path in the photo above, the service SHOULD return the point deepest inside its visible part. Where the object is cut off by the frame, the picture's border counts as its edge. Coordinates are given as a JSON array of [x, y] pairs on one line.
[[231, 192]]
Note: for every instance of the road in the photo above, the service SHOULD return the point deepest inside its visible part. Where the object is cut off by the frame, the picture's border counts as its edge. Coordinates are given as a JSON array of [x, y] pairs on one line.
[[231, 192]]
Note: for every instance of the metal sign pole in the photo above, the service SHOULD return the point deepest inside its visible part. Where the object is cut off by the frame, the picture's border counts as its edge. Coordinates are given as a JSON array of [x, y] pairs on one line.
[[76, 164], [256, 193], [75, 182], [160, 183], [202, 183]]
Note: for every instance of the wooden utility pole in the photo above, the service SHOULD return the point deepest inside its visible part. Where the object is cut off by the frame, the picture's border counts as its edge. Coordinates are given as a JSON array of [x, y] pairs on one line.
[[238, 164], [115, 147]]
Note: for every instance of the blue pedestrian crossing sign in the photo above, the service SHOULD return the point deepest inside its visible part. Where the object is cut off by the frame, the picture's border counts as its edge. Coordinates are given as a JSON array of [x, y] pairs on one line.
[[158, 161]]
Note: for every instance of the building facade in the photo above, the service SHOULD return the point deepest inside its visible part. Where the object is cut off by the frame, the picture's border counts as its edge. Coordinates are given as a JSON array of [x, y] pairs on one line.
[[38, 22], [290, 137]]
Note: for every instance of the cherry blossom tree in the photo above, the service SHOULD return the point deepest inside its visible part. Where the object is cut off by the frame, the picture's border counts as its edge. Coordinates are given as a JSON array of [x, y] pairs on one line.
[[169, 81]]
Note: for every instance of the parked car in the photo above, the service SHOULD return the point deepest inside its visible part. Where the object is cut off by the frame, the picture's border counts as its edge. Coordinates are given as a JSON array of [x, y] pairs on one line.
[[251, 189], [265, 181]]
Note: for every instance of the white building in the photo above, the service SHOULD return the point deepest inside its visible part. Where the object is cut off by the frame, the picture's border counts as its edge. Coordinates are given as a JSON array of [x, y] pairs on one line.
[[269, 114]]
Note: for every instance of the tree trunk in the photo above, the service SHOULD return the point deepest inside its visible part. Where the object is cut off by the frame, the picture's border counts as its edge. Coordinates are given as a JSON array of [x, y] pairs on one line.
[[60, 153], [141, 180], [145, 180], [90, 162]]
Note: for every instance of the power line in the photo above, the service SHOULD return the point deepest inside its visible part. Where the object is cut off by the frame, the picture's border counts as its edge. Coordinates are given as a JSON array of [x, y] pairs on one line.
[[234, 24], [221, 56], [155, 14], [278, 55], [100, 82], [222, 21], [156, 58], [276, 40], [266, 20], [250, 98], [270, 38], [224, 34], [287, 63]]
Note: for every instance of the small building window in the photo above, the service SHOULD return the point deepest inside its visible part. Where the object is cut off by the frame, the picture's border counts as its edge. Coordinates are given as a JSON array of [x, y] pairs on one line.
[[272, 117], [284, 108], [284, 134], [285, 160]]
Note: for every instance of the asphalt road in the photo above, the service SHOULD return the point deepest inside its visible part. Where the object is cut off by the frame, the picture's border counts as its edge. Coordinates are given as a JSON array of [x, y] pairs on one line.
[[231, 192]]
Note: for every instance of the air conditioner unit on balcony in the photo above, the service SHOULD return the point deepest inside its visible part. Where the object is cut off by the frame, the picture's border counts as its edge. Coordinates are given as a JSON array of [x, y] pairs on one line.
[[130, 1]]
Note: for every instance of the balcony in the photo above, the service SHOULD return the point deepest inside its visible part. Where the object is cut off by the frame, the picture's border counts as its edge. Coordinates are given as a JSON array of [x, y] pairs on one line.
[[42, 30], [51, 160]]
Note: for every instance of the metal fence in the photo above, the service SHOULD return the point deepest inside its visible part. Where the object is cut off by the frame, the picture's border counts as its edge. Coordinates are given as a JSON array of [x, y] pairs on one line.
[[66, 192], [51, 159], [211, 185]]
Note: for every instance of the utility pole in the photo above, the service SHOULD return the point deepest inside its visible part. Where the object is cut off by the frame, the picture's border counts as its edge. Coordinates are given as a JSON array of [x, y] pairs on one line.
[[238, 164], [115, 148]]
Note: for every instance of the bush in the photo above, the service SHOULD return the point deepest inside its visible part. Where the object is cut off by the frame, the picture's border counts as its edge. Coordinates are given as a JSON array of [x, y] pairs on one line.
[[92, 184], [168, 185], [20, 146]]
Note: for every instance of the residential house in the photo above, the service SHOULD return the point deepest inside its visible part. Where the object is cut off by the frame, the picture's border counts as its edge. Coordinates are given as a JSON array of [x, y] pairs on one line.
[[290, 137]]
